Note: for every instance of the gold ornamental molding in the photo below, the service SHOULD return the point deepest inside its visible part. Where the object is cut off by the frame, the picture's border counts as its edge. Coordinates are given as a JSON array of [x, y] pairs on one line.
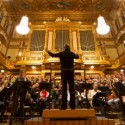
[[118, 62], [91, 58], [62, 25], [30, 58]]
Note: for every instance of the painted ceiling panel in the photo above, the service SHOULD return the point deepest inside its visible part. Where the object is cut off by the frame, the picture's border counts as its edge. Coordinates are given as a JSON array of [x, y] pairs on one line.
[[53, 5], [39, 10]]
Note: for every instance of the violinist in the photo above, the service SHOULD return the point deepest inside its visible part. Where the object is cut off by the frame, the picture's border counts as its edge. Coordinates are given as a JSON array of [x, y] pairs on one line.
[[113, 101]]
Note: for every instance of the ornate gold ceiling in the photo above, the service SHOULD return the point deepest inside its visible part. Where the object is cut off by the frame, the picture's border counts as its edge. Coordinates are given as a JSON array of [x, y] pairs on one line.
[[49, 10]]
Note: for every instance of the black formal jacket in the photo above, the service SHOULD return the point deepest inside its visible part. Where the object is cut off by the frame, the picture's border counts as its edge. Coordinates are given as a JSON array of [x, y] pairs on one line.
[[66, 58]]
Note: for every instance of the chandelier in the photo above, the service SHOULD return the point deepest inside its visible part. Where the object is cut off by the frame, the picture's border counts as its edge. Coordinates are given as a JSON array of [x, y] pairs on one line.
[[23, 28], [102, 28]]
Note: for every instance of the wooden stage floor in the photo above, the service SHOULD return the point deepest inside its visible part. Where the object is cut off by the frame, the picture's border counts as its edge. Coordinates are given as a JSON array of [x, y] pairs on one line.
[[75, 117], [67, 117], [116, 120]]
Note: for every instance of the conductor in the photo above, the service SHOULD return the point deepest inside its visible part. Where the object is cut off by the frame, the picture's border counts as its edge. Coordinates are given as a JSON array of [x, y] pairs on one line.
[[67, 74]]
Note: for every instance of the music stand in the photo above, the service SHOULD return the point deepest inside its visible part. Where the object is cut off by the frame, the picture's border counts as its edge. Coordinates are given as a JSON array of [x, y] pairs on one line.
[[100, 94], [120, 88], [104, 88], [44, 85], [120, 91], [19, 88], [87, 86]]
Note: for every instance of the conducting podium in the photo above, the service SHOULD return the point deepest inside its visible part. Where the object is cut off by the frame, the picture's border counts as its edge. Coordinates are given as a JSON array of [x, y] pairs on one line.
[[69, 117]]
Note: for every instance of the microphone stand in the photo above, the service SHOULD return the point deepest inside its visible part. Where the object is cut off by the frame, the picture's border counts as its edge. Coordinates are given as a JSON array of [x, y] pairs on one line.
[[86, 88], [50, 85], [85, 84]]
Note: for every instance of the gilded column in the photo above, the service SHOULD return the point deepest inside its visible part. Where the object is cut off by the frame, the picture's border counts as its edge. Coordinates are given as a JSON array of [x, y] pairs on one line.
[[54, 39], [78, 41], [50, 40], [71, 39], [96, 46], [74, 40], [46, 39], [29, 40]]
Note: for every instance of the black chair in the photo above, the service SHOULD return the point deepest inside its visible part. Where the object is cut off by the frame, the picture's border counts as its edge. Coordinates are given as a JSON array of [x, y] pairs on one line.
[[99, 102]]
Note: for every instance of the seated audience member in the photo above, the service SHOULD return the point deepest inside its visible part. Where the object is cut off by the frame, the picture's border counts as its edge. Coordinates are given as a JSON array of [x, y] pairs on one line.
[[59, 98], [113, 101], [28, 99], [78, 98], [54, 96], [81, 99], [44, 94], [120, 90], [29, 103], [95, 96], [93, 91], [3, 86], [4, 97], [34, 95]]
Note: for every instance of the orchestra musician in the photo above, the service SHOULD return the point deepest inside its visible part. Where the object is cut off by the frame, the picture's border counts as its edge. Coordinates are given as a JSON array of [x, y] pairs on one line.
[[113, 100], [96, 98], [44, 95], [3, 96]]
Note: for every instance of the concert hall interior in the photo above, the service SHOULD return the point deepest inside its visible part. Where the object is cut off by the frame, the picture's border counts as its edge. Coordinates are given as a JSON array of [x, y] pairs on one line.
[[94, 29]]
